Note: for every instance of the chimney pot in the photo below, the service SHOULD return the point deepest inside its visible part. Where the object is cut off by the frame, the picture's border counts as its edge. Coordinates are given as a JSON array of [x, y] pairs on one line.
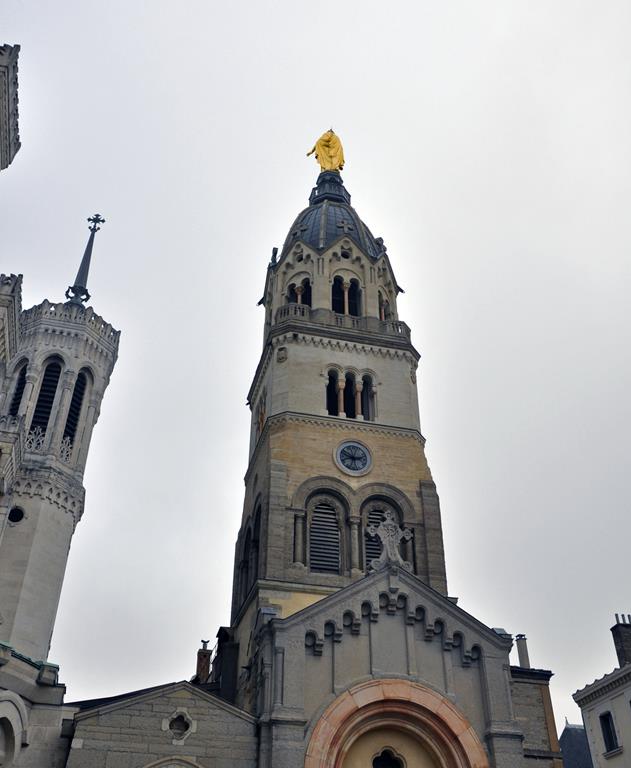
[[522, 651], [621, 633]]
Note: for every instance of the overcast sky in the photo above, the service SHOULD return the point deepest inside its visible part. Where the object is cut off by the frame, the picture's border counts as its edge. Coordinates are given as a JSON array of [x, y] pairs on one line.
[[488, 143]]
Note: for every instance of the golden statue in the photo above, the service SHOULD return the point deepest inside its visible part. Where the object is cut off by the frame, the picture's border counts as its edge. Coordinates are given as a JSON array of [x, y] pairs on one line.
[[328, 151]]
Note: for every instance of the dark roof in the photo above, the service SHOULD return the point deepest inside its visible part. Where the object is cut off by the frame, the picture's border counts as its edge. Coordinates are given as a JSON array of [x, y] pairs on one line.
[[330, 217], [574, 747]]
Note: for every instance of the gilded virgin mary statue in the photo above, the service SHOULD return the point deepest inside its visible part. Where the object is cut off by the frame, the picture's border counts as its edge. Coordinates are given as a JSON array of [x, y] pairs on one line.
[[328, 151]]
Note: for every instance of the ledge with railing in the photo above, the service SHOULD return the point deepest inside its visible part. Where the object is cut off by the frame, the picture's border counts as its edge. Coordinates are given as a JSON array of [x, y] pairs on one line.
[[292, 312]]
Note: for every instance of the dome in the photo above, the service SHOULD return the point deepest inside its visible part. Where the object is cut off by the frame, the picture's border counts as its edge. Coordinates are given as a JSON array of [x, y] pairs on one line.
[[329, 217]]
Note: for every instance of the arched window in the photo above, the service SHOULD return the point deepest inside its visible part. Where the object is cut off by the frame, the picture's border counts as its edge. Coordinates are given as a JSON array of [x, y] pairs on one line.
[[18, 392], [382, 315], [292, 297], [254, 547], [306, 292], [387, 312], [324, 539], [46, 396], [331, 394], [354, 299], [74, 411], [244, 580], [337, 295], [349, 396], [368, 399]]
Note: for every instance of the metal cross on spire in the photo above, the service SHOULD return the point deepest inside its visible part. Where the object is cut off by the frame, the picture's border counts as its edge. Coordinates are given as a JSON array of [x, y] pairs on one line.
[[78, 293], [95, 221]]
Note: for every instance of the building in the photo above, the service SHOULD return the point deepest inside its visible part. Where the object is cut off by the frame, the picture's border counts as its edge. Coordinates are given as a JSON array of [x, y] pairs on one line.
[[344, 647], [575, 747], [606, 705], [9, 128]]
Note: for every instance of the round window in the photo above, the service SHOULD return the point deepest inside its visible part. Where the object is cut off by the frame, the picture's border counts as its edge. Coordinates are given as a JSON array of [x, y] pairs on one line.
[[16, 515], [353, 457]]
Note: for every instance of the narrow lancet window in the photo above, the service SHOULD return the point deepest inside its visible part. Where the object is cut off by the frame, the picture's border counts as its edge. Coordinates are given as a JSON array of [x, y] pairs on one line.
[[349, 397], [306, 292], [292, 296], [368, 399], [324, 540], [337, 295], [18, 392], [46, 397], [354, 299], [331, 395], [74, 411]]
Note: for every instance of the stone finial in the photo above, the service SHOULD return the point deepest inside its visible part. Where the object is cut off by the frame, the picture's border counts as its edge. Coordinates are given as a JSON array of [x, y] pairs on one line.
[[390, 535]]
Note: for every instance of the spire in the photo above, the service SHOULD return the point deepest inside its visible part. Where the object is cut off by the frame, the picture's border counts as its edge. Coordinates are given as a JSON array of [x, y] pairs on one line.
[[78, 293]]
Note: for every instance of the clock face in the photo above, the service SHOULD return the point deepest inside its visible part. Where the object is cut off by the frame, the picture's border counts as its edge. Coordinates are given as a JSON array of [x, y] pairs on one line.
[[353, 457]]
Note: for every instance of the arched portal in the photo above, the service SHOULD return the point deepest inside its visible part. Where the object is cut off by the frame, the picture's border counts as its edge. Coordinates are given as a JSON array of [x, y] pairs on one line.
[[394, 722]]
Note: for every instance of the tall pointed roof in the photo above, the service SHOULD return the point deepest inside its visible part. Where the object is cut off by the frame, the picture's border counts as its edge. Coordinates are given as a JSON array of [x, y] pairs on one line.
[[78, 293]]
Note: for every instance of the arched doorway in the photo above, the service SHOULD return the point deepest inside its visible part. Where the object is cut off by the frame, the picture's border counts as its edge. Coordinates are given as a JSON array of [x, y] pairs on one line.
[[393, 724]]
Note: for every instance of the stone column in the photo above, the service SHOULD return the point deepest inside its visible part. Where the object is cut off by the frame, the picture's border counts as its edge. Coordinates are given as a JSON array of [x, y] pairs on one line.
[[299, 537], [68, 380], [31, 381], [299, 291], [358, 400], [346, 286], [354, 521], [341, 383], [86, 434]]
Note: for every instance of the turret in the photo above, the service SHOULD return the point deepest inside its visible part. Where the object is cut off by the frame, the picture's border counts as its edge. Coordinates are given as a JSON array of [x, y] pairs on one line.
[[51, 391]]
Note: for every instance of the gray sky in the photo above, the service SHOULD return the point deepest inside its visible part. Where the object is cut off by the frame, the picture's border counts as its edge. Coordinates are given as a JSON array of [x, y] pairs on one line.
[[487, 142]]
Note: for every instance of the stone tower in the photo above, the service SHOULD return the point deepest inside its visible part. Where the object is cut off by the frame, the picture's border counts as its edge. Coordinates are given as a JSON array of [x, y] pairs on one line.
[[336, 439], [55, 364]]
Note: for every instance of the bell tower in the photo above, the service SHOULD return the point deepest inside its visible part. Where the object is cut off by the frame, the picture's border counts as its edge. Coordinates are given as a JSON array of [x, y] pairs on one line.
[[336, 445], [56, 366]]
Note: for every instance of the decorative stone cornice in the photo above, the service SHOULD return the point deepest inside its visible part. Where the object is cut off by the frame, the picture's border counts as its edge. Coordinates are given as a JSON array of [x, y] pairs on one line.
[[604, 686], [53, 487], [69, 318]]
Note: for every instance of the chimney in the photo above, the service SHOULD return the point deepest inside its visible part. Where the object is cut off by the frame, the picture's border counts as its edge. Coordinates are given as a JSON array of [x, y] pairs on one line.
[[203, 663], [621, 632], [522, 651]]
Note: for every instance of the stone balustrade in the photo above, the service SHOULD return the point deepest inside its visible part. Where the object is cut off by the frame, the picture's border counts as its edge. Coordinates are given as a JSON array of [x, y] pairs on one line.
[[293, 312]]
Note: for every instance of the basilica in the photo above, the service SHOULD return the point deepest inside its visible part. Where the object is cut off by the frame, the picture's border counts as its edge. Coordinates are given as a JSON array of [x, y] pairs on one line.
[[344, 648]]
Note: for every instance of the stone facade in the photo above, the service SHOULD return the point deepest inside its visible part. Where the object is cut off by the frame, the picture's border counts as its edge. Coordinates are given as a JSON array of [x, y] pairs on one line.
[[344, 648]]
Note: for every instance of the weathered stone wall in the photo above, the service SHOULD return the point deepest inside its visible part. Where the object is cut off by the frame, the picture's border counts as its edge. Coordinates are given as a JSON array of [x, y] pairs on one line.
[[136, 734]]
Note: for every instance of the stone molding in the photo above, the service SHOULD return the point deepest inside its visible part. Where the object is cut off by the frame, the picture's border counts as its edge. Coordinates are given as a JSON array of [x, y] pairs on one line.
[[53, 487], [619, 678], [403, 705]]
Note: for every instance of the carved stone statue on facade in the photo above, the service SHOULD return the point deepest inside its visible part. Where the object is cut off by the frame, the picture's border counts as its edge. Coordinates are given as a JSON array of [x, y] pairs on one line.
[[390, 534]]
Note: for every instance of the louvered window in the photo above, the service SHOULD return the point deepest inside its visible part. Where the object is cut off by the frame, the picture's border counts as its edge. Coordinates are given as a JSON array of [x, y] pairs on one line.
[[324, 540], [46, 396], [373, 545], [19, 391], [74, 411]]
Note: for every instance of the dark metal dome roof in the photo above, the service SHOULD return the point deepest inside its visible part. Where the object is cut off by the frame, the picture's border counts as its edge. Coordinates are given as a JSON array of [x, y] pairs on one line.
[[330, 217]]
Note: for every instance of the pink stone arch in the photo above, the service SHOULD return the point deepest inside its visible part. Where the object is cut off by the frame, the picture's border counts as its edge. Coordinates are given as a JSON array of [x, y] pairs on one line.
[[419, 711]]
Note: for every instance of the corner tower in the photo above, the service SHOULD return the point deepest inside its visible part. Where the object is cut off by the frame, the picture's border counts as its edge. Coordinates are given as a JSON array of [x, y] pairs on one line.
[[56, 360], [336, 439]]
